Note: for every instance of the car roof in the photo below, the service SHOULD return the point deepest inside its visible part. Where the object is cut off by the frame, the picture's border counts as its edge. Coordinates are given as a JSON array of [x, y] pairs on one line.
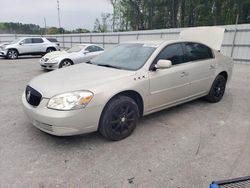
[[152, 42], [20, 38], [157, 43], [86, 44]]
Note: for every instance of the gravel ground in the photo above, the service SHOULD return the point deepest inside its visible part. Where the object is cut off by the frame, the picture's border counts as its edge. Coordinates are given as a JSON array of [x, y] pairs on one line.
[[187, 146]]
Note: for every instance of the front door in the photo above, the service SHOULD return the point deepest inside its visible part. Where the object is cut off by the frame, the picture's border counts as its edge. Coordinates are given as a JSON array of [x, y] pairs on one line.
[[26, 46], [168, 86]]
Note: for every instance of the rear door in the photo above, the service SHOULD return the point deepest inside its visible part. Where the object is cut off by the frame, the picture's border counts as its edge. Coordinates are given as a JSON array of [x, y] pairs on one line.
[[38, 45], [168, 86], [201, 67]]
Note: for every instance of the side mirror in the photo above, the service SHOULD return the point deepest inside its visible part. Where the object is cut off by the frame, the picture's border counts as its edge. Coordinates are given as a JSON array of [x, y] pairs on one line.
[[21, 43], [86, 52], [163, 64]]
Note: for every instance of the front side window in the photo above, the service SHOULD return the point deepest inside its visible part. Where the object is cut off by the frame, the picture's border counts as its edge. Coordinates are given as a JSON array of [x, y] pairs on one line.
[[173, 52], [125, 56], [37, 40], [91, 49], [196, 51], [16, 40], [27, 41]]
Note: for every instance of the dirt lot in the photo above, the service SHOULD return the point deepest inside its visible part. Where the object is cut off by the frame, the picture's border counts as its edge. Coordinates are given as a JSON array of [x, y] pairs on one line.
[[187, 146]]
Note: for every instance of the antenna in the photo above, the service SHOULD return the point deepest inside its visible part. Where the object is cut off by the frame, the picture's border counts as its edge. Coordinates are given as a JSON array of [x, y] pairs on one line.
[[58, 11]]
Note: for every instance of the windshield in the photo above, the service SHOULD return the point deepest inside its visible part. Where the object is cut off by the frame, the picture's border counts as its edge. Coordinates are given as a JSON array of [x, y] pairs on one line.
[[125, 56], [76, 48], [16, 40]]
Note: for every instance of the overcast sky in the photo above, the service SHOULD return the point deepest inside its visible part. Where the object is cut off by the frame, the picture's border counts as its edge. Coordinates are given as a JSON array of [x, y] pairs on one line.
[[74, 13]]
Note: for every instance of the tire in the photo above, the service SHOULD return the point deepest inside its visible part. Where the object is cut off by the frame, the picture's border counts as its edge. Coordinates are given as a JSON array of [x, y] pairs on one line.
[[50, 50], [65, 63], [12, 54], [119, 118], [217, 90]]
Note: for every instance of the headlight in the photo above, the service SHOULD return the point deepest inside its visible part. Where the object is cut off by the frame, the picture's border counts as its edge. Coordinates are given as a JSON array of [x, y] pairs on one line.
[[52, 61], [70, 101]]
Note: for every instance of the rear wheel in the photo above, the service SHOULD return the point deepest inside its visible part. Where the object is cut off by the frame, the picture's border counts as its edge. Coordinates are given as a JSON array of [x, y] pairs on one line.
[[217, 90], [119, 118], [65, 63], [12, 54]]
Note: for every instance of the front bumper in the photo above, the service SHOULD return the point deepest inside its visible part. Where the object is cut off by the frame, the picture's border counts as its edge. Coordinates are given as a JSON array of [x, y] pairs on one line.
[[48, 65], [62, 123], [3, 53]]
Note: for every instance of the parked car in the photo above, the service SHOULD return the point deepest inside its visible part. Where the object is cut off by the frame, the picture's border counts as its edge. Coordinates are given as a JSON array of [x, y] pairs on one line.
[[27, 46], [77, 54], [131, 80]]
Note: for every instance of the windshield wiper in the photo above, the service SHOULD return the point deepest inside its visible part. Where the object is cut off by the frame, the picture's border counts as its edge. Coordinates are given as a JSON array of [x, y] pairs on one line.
[[107, 65]]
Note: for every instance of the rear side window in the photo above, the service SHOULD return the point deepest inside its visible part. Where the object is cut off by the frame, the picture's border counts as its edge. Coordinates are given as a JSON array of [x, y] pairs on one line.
[[173, 53], [97, 48], [37, 40], [196, 51]]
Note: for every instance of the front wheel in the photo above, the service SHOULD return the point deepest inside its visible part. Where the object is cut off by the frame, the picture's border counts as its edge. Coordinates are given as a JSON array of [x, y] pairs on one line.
[[217, 90], [12, 54], [65, 63], [119, 118]]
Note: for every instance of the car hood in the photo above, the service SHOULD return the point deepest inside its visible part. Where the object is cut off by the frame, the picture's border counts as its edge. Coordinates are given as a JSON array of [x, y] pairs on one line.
[[78, 77], [55, 54], [4, 44]]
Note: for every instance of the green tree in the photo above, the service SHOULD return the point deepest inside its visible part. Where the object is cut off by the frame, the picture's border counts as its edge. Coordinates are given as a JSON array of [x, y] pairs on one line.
[[102, 26], [158, 14]]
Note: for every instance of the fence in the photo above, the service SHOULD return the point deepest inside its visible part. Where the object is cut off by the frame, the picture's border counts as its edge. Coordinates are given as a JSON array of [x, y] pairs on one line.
[[236, 42]]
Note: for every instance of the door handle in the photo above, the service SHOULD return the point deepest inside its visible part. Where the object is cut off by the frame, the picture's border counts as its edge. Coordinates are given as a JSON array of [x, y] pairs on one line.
[[211, 67]]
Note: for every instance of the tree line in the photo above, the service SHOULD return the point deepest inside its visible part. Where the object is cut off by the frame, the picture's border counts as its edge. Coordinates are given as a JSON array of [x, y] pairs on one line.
[[160, 14], [131, 15], [19, 28]]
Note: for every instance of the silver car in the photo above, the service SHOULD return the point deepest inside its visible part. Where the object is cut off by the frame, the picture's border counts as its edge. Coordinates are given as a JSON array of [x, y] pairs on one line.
[[27, 46], [77, 54], [129, 81]]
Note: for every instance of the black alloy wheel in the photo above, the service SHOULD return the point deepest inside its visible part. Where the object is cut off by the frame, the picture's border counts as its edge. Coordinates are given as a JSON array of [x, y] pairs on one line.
[[119, 118], [217, 90]]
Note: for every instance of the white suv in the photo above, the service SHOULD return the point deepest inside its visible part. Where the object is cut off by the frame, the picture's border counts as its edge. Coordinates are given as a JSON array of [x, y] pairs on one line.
[[27, 46]]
